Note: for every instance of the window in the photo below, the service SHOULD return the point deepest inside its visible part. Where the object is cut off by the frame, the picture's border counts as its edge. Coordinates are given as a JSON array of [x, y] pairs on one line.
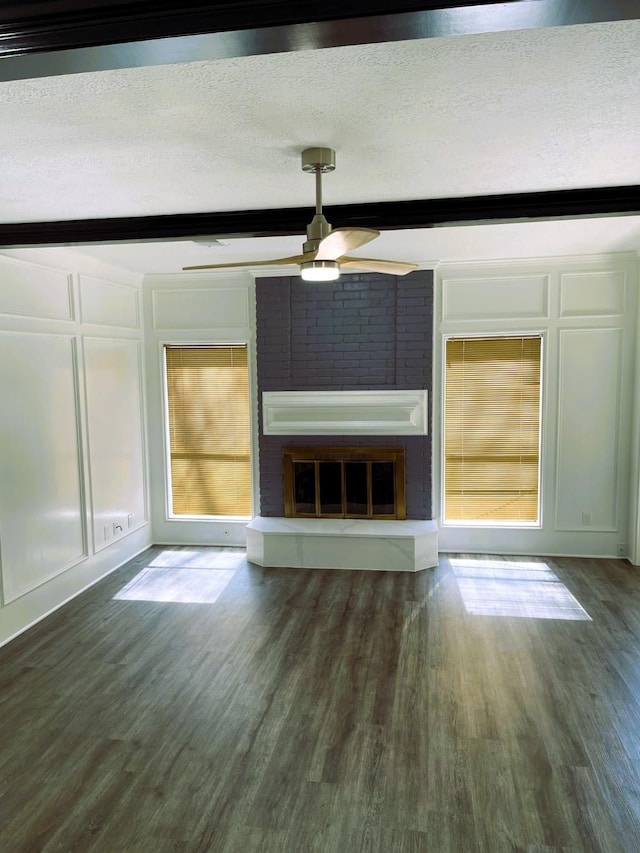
[[492, 430], [209, 430]]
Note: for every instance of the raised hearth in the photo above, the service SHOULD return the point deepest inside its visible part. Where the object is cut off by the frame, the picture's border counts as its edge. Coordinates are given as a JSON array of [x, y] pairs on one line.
[[331, 543]]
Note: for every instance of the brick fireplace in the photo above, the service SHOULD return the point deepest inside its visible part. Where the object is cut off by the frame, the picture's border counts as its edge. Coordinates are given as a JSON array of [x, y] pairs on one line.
[[363, 332]]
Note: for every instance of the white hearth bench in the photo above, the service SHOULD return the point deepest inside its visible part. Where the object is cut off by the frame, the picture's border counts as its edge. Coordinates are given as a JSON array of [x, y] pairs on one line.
[[343, 543]]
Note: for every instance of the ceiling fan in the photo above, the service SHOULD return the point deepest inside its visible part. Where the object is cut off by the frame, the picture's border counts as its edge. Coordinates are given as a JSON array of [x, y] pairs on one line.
[[325, 251]]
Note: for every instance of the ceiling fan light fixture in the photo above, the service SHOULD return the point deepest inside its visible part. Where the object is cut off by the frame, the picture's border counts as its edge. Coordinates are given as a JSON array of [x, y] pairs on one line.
[[320, 270], [326, 249]]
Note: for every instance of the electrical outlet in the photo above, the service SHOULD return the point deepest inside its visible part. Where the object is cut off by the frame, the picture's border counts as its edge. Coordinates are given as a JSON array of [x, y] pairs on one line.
[[622, 550], [586, 518]]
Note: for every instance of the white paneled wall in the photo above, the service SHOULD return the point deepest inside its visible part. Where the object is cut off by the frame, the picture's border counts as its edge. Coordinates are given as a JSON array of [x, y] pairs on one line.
[[586, 310], [41, 500], [195, 308], [588, 431], [30, 290], [74, 502], [212, 305], [113, 370], [522, 296], [72, 446], [107, 303]]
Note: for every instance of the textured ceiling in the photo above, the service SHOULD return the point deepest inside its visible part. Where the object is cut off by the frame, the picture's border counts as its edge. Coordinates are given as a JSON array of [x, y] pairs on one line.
[[469, 115]]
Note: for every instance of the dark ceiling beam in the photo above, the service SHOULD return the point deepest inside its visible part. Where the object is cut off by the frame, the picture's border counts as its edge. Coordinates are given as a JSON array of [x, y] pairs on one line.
[[430, 213], [58, 24], [63, 24], [73, 25], [52, 37], [40, 39]]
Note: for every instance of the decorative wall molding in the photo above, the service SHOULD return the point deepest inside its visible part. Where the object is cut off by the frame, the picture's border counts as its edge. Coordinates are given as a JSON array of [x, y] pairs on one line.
[[48, 484], [116, 433], [345, 412], [588, 466], [514, 295], [597, 293], [587, 493], [109, 303], [200, 308], [197, 308], [33, 290], [42, 506]]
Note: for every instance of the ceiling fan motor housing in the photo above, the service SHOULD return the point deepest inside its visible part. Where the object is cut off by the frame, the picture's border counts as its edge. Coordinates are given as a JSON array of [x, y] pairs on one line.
[[318, 160]]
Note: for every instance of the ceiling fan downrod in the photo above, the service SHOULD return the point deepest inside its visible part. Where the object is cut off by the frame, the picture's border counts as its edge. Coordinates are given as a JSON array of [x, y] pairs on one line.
[[317, 161]]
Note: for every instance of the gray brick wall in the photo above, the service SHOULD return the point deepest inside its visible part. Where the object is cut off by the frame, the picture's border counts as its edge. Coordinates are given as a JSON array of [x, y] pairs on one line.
[[362, 332]]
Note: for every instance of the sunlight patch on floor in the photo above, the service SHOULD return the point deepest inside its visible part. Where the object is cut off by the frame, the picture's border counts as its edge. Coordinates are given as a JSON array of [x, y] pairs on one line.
[[513, 588], [199, 559], [176, 584]]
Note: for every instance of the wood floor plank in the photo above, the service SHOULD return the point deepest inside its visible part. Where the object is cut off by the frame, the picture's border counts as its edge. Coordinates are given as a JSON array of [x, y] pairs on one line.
[[450, 711]]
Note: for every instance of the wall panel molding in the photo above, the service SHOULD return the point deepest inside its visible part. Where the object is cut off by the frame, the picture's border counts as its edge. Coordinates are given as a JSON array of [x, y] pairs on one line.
[[35, 291], [201, 308], [42, 507], [496, 297], [108, 303], [589, 463], [214, 303], [588, 429], [115, 426], [596, 293]]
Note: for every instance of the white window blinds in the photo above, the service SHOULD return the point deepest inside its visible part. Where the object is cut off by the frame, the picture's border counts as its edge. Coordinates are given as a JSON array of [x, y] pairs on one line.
[[209, 430], [492, 429]]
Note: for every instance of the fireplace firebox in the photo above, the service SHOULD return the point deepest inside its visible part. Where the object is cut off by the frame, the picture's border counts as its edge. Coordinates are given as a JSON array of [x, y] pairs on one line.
[[344, 482]]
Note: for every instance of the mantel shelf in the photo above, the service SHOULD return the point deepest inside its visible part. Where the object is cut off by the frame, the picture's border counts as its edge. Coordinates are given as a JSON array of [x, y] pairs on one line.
[[344, 412]]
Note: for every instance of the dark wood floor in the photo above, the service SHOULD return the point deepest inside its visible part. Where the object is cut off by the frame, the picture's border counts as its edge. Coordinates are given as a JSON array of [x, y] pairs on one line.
[[474, 707]]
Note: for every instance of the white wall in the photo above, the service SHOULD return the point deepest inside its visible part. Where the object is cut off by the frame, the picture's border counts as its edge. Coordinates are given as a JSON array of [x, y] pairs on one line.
[[200, 308], [74, 500], [73, 470], [586, 310]]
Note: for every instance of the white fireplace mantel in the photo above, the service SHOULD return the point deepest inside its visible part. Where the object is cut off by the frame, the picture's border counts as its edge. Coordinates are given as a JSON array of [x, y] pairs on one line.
[[345, 412]]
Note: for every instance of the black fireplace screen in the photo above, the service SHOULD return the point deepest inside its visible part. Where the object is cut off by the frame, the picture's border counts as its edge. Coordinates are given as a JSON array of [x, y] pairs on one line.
[[344, 483]]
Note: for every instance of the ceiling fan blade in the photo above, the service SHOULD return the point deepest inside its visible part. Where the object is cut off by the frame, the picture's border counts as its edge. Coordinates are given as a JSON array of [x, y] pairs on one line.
[[343, 240], [374, 265], [294, 259]]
